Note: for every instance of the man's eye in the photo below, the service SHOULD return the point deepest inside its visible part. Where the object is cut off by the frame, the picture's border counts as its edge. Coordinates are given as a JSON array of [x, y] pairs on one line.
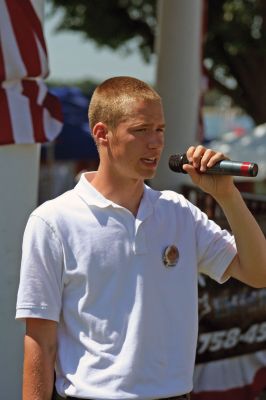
[[140, 130]]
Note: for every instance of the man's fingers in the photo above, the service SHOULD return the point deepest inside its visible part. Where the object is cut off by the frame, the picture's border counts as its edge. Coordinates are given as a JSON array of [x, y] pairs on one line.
[[202, 158]]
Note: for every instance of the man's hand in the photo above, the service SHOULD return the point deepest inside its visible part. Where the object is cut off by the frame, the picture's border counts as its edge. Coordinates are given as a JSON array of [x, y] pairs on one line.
[[200, 159]]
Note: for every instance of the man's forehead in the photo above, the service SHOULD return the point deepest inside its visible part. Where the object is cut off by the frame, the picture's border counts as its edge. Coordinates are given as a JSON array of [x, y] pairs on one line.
[[143, 115], [137, 106]]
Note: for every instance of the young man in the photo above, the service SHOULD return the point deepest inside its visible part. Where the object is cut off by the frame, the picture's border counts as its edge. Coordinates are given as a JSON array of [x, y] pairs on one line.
[[109, 270]]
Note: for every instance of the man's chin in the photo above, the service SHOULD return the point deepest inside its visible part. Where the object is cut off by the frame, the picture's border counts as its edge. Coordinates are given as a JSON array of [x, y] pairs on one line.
[[149, 175]]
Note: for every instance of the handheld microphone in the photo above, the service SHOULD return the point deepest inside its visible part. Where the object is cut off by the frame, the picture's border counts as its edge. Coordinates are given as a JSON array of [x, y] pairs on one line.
[[224, 167]]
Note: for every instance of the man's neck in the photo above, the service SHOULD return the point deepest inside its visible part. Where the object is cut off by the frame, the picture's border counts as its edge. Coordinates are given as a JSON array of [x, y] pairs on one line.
[[126, 193]]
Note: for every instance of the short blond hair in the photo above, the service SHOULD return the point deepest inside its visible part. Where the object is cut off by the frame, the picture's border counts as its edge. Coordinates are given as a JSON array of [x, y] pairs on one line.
[[110, 99]]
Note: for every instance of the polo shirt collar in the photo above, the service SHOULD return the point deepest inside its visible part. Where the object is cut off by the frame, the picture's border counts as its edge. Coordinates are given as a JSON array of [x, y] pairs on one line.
[[146, 206], [91, 196]]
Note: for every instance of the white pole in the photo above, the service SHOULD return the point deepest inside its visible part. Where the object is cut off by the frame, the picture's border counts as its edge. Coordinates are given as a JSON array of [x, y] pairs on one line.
[[19, 170], [178, 80], [19, 176]]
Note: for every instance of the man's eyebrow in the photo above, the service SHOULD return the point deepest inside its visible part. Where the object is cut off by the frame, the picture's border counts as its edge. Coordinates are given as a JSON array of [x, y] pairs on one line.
[[141, 124], [144, 124]]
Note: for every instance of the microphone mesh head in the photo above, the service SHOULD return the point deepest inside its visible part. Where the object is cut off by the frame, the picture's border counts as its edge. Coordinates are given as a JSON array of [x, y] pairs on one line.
[[175, 163]]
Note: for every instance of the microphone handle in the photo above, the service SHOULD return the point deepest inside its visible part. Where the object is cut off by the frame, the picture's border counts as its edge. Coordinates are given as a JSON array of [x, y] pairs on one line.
[[233, 168], [224, 167]]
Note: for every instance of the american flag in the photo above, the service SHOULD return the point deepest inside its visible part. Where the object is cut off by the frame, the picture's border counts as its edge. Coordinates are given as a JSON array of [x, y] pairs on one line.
[[28, 112]]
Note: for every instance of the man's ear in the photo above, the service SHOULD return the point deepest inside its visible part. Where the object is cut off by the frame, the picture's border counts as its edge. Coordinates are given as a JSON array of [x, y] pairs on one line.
[[100, 132]]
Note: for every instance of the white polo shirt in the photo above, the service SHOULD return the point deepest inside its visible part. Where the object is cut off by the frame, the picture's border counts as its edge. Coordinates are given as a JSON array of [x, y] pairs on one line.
[[127, 323]]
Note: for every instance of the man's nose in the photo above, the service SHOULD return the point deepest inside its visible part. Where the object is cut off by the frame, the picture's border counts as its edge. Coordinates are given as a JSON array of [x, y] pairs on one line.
[[156, 140]]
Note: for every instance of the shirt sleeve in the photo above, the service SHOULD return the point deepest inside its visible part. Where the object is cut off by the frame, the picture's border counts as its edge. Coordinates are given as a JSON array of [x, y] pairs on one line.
[[41, 276], [216, 247]]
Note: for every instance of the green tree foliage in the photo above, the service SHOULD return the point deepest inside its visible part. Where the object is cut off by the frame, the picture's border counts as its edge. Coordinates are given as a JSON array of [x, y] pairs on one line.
[[235, 52], [235, 44], [112, 23]]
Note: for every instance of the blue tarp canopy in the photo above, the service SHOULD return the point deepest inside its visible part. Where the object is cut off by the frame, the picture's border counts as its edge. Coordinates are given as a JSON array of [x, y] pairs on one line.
[[75, 141]]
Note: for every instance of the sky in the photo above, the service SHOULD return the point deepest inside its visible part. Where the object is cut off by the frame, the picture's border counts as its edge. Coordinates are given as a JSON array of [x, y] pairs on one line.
[[73, 58]]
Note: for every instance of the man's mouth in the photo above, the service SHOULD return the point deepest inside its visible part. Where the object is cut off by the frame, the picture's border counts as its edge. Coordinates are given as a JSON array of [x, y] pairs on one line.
[[150, 160]]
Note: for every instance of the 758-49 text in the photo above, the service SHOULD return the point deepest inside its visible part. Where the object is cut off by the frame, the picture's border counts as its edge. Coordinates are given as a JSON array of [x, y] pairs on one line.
[[228, 339]]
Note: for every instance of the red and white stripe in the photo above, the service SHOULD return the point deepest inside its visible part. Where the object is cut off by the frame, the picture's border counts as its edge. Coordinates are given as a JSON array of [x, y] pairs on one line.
[[28, 112], [237, 378]]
